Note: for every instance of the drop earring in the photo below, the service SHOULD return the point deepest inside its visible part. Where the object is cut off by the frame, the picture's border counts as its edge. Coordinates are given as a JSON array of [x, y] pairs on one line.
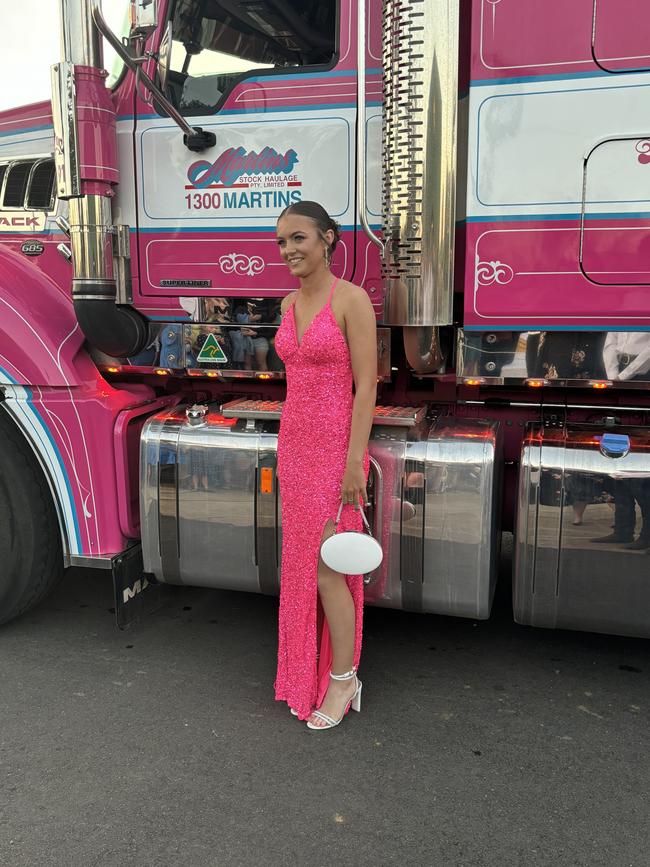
[[328, 257]]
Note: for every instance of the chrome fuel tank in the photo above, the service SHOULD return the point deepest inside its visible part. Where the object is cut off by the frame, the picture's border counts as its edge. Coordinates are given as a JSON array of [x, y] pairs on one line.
[[582, 557], [209, 502], [211, 511]]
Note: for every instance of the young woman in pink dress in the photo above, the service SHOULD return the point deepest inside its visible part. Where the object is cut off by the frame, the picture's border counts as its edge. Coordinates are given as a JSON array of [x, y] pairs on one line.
[[327, 341]]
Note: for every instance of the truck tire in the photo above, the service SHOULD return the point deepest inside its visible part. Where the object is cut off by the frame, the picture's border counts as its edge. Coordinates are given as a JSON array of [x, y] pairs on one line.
[[31, 556]]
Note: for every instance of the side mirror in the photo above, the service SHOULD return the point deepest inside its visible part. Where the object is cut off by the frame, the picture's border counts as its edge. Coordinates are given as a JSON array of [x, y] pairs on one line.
[[194, 138], [144, 16], [165, 56]]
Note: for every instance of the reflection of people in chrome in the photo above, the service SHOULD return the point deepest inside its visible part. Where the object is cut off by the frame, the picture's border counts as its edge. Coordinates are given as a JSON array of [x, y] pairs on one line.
[[257, 345], [626, 355], [627, 492], [564, 355]]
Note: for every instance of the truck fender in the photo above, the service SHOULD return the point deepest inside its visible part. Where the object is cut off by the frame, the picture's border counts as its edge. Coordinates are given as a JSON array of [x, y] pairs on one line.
[[39, 333]]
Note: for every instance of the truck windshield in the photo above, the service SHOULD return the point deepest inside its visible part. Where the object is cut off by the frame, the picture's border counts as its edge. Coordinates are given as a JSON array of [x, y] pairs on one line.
[[215, 41], [30, 45]]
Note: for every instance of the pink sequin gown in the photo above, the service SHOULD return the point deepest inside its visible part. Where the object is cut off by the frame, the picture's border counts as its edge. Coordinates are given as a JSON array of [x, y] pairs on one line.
[[312, 452]]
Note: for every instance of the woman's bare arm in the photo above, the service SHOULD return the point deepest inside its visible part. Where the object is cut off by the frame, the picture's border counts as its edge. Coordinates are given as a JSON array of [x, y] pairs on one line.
[[361, 333]]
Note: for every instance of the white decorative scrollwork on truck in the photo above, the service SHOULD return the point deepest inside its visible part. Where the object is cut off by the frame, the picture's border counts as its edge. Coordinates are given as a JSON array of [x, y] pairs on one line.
[[488, 273], [239, 263]]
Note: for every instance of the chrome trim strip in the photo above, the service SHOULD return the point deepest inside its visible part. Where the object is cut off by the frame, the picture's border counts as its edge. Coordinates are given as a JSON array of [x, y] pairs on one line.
[[122, 264], [266, 547], [168, 535], [378, 513], [66, 148], [412, 543], [101, 561]]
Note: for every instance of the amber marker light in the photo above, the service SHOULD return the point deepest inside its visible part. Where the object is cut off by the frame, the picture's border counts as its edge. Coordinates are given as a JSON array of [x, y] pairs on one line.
[[160, 371], [112, 369], [473, 380], [266, 480], [264, 376], [213, 374], [536, 383], [600, 383]]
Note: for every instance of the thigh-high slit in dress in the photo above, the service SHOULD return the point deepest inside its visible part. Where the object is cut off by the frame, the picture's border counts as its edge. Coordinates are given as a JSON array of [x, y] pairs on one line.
[[312, 453]]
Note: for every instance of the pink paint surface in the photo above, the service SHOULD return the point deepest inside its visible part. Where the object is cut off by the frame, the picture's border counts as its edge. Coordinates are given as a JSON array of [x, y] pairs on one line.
[[74, 408], [529, 37], [25, 117], [96, 129], [528, 275]]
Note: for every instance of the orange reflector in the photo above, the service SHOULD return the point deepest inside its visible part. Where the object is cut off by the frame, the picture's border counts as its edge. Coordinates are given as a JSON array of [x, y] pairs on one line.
[[600, 383], [112, 370], [266, 480], [263, 375], [160, 371], [476, 380], [212, 373], [535, 383]]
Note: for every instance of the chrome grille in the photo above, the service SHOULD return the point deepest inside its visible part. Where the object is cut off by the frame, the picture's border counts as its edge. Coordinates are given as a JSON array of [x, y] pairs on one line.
[[27, 183], [16, 185]]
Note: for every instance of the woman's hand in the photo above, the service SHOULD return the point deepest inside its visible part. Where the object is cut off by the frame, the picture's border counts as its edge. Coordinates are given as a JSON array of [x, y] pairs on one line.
[[353, 487]]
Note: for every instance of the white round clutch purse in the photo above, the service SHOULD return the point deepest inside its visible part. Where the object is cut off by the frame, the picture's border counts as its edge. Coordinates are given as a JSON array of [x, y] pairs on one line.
[[350, 552]]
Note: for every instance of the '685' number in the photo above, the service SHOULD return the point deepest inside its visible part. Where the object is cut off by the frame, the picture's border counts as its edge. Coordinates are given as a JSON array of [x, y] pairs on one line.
[[203, 201]]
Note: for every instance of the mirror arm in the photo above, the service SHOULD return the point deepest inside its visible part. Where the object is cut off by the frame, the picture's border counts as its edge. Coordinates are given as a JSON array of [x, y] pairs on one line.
[[195, 138]]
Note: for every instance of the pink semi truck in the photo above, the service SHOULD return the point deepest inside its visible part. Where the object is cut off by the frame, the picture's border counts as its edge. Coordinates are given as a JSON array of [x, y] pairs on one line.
[[489, 163]]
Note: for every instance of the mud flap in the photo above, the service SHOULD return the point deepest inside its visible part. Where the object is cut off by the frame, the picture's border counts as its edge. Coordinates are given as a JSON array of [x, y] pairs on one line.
[[136, 593]]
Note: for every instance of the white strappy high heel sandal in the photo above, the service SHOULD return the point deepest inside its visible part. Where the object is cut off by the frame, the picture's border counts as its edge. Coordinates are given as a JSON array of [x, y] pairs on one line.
[[354, 702]]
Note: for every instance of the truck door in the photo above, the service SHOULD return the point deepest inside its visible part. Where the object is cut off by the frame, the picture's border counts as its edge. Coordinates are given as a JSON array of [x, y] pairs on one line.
[[617, 165], [275, 81]]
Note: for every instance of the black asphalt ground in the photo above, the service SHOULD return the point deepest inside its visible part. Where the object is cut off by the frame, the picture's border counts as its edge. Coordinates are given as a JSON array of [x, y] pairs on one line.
[[478, 743]]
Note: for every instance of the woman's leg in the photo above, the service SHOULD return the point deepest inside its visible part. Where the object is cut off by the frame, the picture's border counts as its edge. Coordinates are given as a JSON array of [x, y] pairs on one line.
[[338, 607]]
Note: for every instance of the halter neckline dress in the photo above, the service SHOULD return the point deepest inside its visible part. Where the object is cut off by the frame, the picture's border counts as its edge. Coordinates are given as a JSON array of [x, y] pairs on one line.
[[312, 454]]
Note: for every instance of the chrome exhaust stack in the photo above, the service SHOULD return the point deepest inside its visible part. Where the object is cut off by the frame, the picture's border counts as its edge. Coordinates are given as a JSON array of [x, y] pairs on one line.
[[85, 153], [420, 59]]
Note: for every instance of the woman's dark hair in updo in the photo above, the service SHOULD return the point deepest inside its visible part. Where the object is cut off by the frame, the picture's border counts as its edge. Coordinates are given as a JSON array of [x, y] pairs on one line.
[[319, 215]]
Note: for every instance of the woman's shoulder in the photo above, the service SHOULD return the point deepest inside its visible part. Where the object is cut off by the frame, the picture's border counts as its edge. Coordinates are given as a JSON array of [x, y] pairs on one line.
[[287, 301], [349, 297]]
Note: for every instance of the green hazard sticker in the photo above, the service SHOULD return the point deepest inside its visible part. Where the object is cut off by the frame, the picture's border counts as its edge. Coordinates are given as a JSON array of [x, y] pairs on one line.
[[211, 351]]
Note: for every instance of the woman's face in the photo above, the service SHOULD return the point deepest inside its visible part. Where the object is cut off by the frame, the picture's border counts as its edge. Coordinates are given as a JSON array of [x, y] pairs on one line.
[[301, 245]]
